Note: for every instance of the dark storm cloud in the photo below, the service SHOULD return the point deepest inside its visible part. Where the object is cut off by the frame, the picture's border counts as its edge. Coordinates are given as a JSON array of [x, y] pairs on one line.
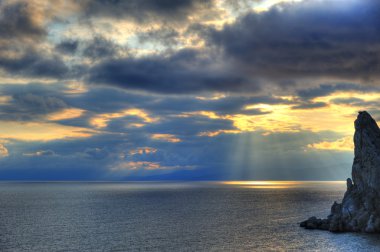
[[96, 49], [16, 22], [30, 103], [35, 64], [34, 88], [39, 103], [226, 105], [371, 106], [30, 107], [188, 127], [22, 32], [306, 39], [96, 153], [285, 44], [108, 100], [67, 46], [327, 89], [144, 10], [99, 48], [186, 71]]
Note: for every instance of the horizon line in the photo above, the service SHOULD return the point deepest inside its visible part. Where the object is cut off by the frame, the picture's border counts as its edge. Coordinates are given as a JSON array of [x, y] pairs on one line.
[[167, 181]]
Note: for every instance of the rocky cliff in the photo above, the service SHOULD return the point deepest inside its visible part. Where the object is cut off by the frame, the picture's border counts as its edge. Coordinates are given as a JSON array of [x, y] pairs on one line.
[[360, 207]]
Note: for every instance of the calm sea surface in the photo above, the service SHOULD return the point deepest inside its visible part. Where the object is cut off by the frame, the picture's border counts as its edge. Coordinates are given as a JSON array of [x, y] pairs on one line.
[[170, 217]]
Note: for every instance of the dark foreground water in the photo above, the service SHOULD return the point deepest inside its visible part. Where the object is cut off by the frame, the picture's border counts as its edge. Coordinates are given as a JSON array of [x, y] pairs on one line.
[[170, 217]]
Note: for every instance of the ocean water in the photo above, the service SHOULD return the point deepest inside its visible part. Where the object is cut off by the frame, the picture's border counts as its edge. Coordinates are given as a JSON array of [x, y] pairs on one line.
[[203, 216]]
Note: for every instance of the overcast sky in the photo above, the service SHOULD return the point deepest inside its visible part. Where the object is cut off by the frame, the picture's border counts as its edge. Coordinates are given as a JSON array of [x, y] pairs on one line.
[[185, 90]]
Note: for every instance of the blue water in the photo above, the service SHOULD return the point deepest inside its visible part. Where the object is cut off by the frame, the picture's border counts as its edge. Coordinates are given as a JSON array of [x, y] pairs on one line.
[[169, 217]]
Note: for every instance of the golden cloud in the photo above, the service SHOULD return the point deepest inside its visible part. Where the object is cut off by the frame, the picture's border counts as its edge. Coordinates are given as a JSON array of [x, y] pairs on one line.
[[102, 120], [142, 150], [343, 144], [65, 114], [218, 132], [5, 99], [75, 87], [41, 131], [3, 151], [166, 137]]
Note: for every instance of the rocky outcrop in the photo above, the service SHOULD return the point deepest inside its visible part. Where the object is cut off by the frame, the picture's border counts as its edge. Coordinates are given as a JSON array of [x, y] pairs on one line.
[[360, 207]]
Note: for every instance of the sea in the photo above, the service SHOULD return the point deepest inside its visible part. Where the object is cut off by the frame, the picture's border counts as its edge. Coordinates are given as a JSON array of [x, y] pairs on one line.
[[174, 216]]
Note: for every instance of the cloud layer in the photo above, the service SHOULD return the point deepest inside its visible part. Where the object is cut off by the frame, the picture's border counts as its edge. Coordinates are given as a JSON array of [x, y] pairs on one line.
[[129, 90]]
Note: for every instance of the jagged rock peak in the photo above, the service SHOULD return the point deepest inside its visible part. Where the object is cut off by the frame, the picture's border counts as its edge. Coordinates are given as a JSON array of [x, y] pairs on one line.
[[366, 165], [365, 120], [360, 207]]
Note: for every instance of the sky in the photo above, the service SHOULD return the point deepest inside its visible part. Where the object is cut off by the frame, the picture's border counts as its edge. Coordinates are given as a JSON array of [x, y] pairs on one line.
[[185, 90]]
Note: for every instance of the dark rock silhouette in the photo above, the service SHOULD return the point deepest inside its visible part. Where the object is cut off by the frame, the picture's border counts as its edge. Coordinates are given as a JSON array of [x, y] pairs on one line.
[[360, 207]]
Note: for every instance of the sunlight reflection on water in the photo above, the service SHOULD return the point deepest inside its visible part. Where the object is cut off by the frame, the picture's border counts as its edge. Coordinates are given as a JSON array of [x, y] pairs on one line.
[[280, 184]]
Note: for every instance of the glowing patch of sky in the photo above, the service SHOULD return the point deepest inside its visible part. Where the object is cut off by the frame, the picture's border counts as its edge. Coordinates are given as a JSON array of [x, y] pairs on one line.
[[40, 131], [286, 118], [266, 5], [343, 144]]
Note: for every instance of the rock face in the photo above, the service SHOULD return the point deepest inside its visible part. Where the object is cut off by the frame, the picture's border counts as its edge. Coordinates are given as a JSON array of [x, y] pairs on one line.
[[360, 207]]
